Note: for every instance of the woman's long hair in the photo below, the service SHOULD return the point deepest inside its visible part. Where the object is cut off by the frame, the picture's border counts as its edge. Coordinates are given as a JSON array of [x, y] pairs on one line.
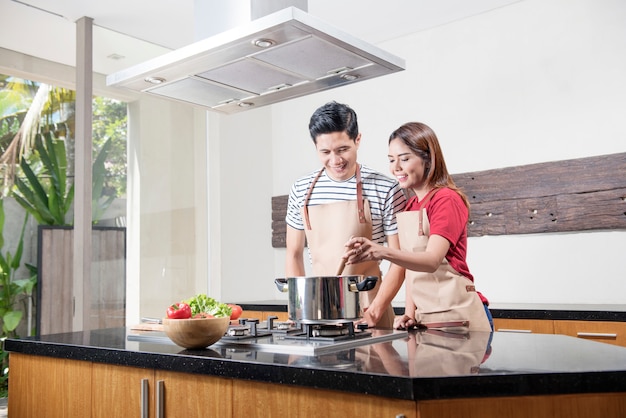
[[421, 139]]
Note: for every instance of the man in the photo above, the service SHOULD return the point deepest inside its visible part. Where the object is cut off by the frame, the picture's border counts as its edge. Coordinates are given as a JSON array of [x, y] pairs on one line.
[[344, 199]]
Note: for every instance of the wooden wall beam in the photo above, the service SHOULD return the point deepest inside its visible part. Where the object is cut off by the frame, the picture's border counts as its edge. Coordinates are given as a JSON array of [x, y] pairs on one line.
[[558, 196]]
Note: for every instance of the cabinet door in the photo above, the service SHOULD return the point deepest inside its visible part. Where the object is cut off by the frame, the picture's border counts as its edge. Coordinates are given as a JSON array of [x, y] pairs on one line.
[[188, 395], [538, 326], [606, 332], [117, 391], [49, 387], [254, 399]]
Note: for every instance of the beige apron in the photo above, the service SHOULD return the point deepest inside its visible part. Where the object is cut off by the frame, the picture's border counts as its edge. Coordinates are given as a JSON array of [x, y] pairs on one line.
[[437, 353], [443, 299], [333, 225]]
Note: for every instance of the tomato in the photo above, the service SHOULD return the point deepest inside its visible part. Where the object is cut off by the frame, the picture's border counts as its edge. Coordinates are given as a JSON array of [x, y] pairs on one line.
[[237, 310], [179, 310], [203, 315]]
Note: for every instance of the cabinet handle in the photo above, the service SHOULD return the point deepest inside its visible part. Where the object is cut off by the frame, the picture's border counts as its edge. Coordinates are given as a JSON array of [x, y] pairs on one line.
[[596, 335], [144, 398], [160, 389], [514, 330]]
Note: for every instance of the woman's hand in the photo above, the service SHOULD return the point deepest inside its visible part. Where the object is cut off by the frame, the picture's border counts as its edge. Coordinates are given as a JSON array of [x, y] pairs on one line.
[[371, 316], [361, 249], [404, 322]]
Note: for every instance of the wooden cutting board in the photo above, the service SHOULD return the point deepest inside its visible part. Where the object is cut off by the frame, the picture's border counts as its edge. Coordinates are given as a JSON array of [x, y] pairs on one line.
[[146, 326]]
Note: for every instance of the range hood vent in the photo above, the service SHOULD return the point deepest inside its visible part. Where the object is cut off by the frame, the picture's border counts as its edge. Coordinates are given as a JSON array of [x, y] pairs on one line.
[[277, 57]]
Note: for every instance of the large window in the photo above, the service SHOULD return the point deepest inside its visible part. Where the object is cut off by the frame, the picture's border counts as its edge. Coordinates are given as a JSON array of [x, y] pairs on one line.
[[37, 143]]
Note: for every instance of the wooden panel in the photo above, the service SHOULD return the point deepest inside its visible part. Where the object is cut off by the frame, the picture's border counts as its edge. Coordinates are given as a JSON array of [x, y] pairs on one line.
[[601, 331], [55, 296], [262, 316], [537, 326], [189, 395], [55, 283], [552, 178], [253, 399], [279, 226], [49, 387], [561, 213], [117, 390], [559, 196], [604, 405], [108, 279], [282, 316]]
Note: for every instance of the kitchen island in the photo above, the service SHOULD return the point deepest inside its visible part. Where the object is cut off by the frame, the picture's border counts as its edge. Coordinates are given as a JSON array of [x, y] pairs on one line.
[[108, 372]]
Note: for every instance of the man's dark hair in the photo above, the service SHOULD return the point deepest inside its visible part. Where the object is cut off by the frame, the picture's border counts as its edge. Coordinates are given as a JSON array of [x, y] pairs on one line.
[[333, 117]]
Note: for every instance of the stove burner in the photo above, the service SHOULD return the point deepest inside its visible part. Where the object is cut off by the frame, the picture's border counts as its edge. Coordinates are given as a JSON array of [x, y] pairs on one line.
[[280, 326], [248, 328], [237, 331], [330, 332], [252, 329]]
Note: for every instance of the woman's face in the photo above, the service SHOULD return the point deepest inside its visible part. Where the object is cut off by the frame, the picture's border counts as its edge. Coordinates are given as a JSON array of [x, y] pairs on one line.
[[338, 153], [405, 165]]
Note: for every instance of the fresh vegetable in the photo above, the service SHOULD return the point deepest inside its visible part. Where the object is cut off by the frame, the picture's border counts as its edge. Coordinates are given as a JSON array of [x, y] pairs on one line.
[[203, 315], [236, 311], [204, 304], [179, 310]]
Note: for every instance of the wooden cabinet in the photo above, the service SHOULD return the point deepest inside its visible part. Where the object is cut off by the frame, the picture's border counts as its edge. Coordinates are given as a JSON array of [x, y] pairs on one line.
[[58, 388], [130, 391], [606, 332], [187, 395], [250, 399], [588, 405], [262, 315], [601, 331], [51, 388], [537, 326], [119, 391]]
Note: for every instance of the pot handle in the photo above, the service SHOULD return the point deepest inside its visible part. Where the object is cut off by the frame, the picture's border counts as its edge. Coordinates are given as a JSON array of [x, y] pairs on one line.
[[368, 283], [281, 284]]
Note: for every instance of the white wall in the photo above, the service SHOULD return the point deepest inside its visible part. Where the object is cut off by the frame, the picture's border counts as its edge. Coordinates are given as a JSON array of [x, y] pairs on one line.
[[532, 82]]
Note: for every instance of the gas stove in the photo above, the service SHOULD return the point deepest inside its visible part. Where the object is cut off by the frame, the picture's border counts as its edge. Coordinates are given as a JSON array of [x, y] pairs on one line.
[[291, 337]]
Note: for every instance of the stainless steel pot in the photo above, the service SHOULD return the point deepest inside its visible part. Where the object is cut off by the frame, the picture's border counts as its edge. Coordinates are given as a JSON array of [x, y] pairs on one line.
[[319, 299]]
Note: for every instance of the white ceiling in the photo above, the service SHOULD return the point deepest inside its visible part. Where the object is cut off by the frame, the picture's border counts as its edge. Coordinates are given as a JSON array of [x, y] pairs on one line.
[[137, 30]]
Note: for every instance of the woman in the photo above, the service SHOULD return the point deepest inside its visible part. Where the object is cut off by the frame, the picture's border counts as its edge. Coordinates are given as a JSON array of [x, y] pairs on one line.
[[433, 238]]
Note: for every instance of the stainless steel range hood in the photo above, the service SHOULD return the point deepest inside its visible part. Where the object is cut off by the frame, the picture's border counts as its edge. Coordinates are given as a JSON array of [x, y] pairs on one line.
[[277, 57]]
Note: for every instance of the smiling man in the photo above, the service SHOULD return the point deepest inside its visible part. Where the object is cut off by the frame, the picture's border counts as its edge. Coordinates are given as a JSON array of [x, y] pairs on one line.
[[343, 199]]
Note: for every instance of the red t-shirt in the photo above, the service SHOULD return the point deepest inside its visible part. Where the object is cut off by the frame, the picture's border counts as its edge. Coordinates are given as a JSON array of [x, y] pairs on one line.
[[448, 216]]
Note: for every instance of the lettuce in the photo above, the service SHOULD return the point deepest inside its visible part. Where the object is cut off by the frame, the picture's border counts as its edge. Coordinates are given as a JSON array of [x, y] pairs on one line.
[[203, 303]]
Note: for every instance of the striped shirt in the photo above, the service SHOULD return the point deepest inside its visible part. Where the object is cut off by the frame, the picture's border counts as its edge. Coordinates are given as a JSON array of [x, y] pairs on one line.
[[383, 193]]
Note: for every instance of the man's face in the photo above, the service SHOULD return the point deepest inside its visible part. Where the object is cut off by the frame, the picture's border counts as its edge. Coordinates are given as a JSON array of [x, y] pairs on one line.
[[338, 153]]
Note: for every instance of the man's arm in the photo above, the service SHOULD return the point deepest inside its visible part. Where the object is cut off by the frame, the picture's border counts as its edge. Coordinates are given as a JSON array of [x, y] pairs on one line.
[[294, 262]]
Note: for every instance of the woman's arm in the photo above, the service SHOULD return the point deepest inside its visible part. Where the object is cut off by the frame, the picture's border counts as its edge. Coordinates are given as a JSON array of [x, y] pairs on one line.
[[360, 249]]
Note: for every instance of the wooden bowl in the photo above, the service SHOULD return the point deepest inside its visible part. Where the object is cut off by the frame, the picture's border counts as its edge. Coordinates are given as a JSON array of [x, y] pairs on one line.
[[195, 333]]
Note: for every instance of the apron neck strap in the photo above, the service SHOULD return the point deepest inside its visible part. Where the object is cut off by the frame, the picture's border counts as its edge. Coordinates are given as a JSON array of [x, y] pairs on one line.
[[422, 205], [359, 197]]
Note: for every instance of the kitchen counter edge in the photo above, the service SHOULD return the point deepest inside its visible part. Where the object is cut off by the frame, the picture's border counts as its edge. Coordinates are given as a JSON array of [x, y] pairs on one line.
[[571, 312]]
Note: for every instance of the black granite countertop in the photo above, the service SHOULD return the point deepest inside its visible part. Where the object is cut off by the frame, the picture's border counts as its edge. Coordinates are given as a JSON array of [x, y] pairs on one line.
[[558, 311], [421, 365]]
